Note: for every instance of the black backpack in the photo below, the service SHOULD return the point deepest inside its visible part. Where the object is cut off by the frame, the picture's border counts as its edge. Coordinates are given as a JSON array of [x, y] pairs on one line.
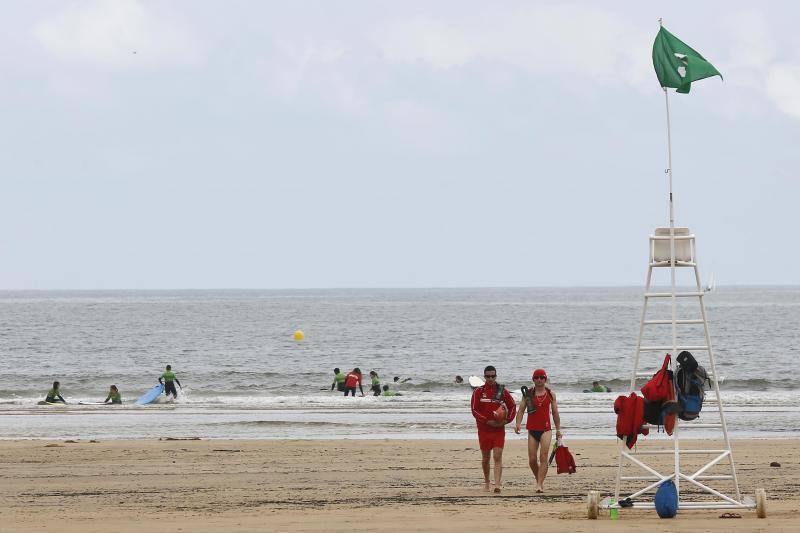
[[690, 383]]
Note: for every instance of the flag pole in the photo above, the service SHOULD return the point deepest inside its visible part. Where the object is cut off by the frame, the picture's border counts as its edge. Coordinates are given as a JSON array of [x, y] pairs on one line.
[[671, 219], [676, 449], [671, 224]]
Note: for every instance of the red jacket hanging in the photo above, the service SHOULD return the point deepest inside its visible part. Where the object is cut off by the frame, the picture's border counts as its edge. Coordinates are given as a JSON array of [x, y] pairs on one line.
[[630, 418]]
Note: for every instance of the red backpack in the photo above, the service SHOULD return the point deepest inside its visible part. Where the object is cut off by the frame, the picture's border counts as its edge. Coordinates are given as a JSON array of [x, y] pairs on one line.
[[660, 386]]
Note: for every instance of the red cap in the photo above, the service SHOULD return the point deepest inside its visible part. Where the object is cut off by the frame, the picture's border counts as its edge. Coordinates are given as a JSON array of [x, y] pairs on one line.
[[539, 372]]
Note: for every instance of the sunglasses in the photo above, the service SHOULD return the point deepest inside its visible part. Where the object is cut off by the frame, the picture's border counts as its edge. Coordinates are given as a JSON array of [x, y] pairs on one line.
[[539, 377], [490, 376]]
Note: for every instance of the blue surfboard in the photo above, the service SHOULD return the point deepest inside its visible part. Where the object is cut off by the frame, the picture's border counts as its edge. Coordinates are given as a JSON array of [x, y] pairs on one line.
[[151, 395]]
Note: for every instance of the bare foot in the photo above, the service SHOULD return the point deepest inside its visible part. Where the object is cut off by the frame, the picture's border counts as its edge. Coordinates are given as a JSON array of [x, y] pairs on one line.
[[497, 490], [486, 487], [539, 491]]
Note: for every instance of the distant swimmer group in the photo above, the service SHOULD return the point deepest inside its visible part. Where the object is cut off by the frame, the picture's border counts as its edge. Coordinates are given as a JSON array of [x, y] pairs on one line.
[[348, 383], [166, 380]]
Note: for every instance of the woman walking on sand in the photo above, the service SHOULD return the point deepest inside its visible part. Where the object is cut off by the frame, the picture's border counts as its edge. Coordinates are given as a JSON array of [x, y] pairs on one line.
[[538, 401]]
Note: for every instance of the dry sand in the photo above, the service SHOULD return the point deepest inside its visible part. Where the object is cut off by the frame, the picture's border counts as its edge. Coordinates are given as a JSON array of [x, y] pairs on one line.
[[357, 485]]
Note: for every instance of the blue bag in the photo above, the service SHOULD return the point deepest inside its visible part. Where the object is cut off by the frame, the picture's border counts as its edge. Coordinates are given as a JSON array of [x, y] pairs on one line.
[[666, 500]]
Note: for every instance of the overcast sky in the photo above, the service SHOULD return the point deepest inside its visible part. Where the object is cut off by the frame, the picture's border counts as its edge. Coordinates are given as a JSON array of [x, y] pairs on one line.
[[388, 144]]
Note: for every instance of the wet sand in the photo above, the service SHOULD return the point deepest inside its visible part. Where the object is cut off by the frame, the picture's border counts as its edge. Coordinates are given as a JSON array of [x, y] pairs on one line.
[[354, 485]]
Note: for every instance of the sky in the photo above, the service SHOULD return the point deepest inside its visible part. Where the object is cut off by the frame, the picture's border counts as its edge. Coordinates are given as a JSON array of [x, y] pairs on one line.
[[254, 144]]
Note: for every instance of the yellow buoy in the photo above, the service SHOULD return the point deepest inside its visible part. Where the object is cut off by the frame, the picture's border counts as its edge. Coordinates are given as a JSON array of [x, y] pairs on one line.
[[299, 335]]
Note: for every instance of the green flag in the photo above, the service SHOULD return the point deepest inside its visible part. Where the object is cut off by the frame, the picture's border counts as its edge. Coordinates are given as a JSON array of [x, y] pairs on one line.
[[677, 64]]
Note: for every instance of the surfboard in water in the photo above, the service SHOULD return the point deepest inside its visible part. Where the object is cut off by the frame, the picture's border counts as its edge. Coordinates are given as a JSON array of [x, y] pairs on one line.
[[151, 395], [475, 381]]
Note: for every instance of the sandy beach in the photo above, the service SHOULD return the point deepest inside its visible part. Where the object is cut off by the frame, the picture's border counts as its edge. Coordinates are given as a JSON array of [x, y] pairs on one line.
[[355, 485]]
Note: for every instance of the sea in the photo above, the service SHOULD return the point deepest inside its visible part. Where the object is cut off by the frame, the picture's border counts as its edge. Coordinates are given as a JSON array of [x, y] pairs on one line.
[[245, 377]]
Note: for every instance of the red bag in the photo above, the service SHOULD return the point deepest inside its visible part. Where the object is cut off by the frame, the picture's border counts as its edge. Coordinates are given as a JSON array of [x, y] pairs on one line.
[[659, 386], [565, 463]]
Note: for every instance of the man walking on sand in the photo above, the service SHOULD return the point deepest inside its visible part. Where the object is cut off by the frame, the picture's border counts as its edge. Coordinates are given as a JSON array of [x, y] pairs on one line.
[[488, 402]]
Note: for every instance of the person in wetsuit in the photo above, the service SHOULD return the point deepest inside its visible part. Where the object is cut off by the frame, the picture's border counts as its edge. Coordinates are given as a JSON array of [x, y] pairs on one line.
[[375, 383], [596, 387], [168, 379], [539, 402], [387, 392], [113, 395], [338, 380], [54, 394]]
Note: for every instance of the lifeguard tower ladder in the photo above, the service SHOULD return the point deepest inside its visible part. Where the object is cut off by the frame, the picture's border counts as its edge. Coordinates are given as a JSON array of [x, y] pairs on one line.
[[675, 249]]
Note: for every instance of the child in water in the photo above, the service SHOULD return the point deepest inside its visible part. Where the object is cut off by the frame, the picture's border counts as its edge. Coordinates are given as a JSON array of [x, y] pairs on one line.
[[54, 394], [113, 395], [387, 392], [375, 385]]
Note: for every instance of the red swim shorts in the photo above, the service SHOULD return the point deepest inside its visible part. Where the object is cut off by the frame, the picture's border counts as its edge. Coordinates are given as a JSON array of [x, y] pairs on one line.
[[491, 439]]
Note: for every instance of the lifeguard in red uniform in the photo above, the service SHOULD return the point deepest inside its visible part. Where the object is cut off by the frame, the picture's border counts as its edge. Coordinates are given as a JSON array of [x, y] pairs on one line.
[[486, 401], [538, 401]]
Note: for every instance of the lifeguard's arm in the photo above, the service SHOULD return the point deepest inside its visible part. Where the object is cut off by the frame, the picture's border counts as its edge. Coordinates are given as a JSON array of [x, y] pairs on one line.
[[556, 416], [107, 398], [178, 382], [520, 413], [474, 404], [61, 398], [160, 379]]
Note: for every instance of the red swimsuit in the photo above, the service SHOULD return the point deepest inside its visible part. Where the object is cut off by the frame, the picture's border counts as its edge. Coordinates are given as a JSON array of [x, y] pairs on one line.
[[540, 420]]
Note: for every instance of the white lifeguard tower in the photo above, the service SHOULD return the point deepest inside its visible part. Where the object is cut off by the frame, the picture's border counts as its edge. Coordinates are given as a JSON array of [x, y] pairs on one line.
[[693, 468], [656, 459]]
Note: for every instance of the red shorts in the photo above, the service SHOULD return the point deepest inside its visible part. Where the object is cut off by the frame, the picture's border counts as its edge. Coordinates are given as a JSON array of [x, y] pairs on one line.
[[491, 439]]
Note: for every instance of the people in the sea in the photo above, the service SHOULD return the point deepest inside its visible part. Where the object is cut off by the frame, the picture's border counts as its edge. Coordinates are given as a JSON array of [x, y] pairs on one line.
[[398, 380], [338, 380], [458, 380], [168, 379], [488, 402], [597, 387], [375, 383], [539, 402], [113, 395], [387, 392], [353, 380], [54, 394]]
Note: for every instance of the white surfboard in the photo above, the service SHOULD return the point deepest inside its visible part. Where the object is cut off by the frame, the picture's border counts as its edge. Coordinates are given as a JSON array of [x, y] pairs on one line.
[[475, 381]]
